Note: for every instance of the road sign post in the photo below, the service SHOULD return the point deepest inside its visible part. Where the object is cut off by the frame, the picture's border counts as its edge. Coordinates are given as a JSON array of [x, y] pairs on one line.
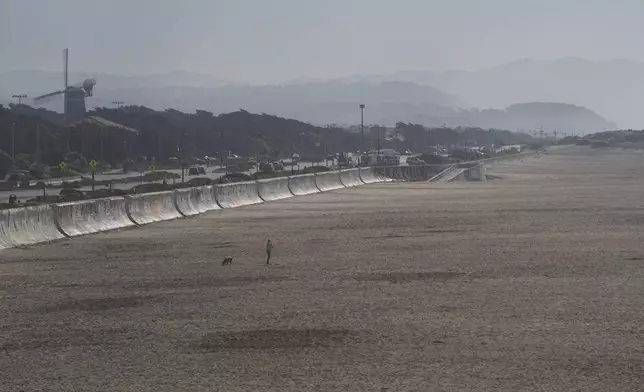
[[153, 169], [92, 165]]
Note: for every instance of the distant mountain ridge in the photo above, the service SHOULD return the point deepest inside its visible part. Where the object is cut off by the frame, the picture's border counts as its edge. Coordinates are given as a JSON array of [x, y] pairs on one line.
[[318, 102], [614, 88]]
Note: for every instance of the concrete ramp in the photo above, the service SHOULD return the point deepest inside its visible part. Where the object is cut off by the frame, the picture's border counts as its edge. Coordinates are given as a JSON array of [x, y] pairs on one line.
[[237, 194], [303, 184], [328, 181], [474, 174], [27, 225], [350, 177], [151, 207], [441, 176], [274, 189], [195, 201], [455, 173], [91, 216]]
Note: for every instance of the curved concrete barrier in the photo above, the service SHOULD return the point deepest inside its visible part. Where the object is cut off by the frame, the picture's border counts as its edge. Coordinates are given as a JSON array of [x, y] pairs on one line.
[[237, 194], [350, 177], [194, 201], [381, 176], [303, 184], [91, 216], [151, 207], [394, 172], [328, 181], [368, 175], [27, 225], [415, 173], [274, 189], [424, 172]]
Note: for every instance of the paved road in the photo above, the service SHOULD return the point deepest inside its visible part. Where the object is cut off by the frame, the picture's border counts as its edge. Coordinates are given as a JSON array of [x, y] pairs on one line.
[[26, 194], [531, 281]]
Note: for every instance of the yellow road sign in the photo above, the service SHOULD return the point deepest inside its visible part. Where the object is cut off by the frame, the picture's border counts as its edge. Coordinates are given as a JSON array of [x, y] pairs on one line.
[[62, 166], [92, 163], [152, 168]]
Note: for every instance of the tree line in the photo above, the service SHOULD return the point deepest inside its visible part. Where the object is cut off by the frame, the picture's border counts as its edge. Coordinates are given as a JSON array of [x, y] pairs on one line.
[[39, 139]]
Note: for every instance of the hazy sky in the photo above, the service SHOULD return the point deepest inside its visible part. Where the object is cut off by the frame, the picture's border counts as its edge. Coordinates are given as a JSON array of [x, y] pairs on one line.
[[276, 40]]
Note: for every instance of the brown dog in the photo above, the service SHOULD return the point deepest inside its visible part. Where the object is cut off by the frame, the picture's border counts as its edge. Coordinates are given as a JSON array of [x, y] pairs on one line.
[[227, 260]]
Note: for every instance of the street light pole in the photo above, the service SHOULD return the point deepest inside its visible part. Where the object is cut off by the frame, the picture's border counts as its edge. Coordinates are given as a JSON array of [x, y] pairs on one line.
[[362, 106], [37, 142], [13, 140], [259, 140], [378, 140], [102, 143]]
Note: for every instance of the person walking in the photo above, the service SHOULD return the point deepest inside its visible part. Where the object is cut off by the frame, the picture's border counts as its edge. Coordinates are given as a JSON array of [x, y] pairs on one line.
[[269, 248]]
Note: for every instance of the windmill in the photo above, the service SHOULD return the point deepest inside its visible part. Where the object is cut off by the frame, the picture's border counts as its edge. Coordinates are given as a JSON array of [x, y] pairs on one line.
[[74, 95]]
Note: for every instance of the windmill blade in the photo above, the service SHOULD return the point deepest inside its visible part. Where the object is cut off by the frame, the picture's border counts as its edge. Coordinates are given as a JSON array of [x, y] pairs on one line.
[[46, 96]]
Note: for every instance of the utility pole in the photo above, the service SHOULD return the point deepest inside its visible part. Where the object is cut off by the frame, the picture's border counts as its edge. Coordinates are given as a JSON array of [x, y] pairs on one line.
[[19, 97], [378, 144], [118, 104], [102, 157], [259, 139], [221, 149], [362, 106], [13, 140], [329, 146], [555, 133], [541, 134], [37, 142], [82, 137]]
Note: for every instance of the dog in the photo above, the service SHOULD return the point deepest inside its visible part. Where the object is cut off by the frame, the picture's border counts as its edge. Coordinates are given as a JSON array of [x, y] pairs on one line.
[[227, 260]]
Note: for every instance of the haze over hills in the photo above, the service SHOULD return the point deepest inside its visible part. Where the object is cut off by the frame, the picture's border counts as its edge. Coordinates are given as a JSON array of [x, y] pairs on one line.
[[614, 88], [453, 98]]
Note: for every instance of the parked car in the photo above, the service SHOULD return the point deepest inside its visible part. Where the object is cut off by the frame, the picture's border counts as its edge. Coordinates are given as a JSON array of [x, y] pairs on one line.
[[266, 167], [413, 161], [201, 170], [193, 171]]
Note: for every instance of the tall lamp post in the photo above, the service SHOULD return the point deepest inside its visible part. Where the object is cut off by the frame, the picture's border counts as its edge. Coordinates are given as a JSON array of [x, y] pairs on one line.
[[378, 140], [259, 140], [362, 106], [13, 140]]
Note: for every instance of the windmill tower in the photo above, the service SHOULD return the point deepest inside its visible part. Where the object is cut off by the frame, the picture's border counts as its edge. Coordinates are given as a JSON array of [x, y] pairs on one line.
[[73, 96]]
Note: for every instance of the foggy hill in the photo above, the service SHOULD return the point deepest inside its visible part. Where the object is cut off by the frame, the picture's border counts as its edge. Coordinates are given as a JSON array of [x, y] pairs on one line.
[[317, 102], [320, 102], [613, 88], [550, 116]]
